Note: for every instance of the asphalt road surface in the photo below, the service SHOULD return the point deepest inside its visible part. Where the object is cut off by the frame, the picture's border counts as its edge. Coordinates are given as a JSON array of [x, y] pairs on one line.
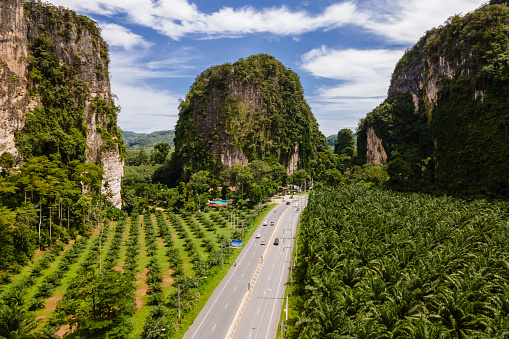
[[233, 310]]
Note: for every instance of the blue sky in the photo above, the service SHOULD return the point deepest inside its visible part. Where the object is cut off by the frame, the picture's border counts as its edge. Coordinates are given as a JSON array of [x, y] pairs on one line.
[[343, 51]]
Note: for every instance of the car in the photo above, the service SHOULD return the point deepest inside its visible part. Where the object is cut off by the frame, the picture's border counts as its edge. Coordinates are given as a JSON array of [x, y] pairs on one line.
[[276, 241], [265, 223], [263, 242], [258, 235], [275, 210], [272, 223], [288, 203]]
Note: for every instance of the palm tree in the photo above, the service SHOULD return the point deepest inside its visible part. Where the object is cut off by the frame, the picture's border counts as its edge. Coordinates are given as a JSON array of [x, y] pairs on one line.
[[16, 322]]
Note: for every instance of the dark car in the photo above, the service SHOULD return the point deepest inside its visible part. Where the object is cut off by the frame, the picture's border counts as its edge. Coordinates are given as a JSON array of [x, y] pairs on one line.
[[288, 203], [276, 241]]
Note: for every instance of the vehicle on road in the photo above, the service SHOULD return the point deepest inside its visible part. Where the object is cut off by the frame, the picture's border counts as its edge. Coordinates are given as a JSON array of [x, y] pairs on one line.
[[272, 223], [258, 235], [288, 203], [275, 210], [265, 223], [263, 242], [276, 241]]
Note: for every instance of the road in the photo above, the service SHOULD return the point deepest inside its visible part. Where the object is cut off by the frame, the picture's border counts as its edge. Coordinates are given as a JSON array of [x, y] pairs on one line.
[[260, 318], [224, 310]]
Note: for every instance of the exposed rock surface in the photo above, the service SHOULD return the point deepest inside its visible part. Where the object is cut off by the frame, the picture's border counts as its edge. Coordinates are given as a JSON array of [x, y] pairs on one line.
[[76, 45], [13, 73], [376, 152]]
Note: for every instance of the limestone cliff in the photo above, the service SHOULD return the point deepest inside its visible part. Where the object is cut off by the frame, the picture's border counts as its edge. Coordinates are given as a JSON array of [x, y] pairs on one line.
[[13, 73], [445, 122], [54, 60], [251, 109]]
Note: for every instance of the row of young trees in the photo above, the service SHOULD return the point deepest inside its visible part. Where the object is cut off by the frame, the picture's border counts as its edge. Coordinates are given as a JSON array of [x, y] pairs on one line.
[[44, 200], [380, 264]]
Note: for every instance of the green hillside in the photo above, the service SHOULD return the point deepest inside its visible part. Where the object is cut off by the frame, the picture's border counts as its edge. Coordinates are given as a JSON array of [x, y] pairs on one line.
[[147, 140]]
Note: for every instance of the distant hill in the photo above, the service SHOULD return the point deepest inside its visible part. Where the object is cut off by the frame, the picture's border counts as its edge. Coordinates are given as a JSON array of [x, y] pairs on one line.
[[137, 140], [332, 139]]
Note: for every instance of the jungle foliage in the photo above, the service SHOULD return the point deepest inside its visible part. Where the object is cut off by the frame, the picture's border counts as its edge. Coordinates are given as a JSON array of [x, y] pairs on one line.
[[258, 108], [456, 142], [53, 194], [382, 264]]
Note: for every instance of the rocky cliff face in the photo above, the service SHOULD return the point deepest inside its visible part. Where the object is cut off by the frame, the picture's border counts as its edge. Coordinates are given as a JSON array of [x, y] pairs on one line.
[[13, 73], [39, 40], [375, 150], [447, 109], [237, 113]]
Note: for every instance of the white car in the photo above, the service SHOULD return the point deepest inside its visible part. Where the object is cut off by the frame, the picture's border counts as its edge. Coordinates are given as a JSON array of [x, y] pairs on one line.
[[265, 223], [263, 242], [258, 235]]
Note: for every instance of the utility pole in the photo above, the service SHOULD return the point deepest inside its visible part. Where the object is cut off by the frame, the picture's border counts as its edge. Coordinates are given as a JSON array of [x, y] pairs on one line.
[[229, 254], [222, 263]]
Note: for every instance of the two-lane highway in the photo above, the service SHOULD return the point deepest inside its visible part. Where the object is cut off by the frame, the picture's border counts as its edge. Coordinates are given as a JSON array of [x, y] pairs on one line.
[[217, 317]]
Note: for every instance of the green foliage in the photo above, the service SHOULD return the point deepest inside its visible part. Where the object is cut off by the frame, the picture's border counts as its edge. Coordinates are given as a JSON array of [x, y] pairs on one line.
[[160, 153], [345, 143], [6, 161], [381, 264]]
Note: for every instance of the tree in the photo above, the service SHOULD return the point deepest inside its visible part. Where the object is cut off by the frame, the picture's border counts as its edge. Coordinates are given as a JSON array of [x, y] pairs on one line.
[[345, 143], [161, 151], [255, 193], [99, 304], [6, 162], [143, 158], [260, 170], [333, 177], [16, 322]]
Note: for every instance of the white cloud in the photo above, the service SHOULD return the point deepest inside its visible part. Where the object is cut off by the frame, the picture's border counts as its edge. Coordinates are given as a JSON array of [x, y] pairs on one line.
[[362, 81], [179, 18], [363, 73], [405, 21], [145, 109], [119, 36], [402, 21]]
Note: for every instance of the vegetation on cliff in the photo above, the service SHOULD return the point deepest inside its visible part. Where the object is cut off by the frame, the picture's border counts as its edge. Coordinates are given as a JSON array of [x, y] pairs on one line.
[[457, 140], [58, 126], [255, 107], [54, 195]]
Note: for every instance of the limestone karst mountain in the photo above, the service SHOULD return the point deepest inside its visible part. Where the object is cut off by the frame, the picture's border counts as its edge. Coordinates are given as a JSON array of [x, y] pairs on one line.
[[253, 109], [55, 96], [445, 123]]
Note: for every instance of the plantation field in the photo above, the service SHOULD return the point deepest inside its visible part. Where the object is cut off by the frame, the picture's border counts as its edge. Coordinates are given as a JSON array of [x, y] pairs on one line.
[[124, 280], [380, 264]]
